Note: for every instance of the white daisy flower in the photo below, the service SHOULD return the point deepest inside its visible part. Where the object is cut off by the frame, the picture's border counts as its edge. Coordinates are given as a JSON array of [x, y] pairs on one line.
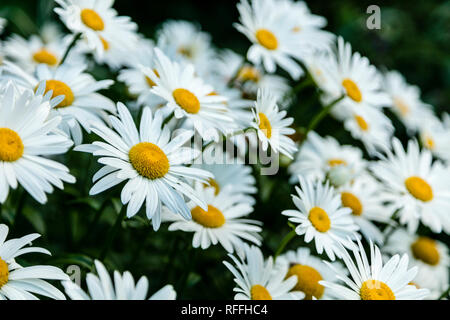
[[373, 281], [406, 101], [429, 255], [270, 31], [318, 157], [257, 279], [152, 165], [25, 139], [82, 103], [188, 96], [22, 283], [321, 217], [101, 287], [223, 222], [416, 187], [363, 197], [435, 137], [99, 24], [272, 126]]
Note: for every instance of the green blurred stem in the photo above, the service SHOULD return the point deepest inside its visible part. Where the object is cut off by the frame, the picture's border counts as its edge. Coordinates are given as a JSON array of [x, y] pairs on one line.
[[284, 243], [112, 234], [71, 45], [444, 294], [20, 205], [307, 82], [324, 112]]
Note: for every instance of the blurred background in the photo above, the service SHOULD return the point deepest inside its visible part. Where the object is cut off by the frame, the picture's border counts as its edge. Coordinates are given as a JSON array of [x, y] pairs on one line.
[[414, 39]]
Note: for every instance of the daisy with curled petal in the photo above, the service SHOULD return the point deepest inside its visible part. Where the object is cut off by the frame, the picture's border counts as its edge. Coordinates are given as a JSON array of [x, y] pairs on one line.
[[415, 186], [26, 137], [101, 287], [321, 217], [363, 196], [152, 164], [318, 156], [189, 97], [268, 28], [309, 271], [82, 104], [373, 280], [99, 24], [22, 283], [272, 126], [406, 102], [430, 256], [257, 279], [223, 222]]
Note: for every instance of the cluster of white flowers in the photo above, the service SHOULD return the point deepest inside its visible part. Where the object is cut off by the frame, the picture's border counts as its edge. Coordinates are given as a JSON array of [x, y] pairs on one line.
[[181, 88]]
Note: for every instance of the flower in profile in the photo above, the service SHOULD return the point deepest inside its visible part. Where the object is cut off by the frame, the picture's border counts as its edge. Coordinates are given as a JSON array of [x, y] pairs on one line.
[[257, 279], [26, 138], [22, 283], [371, 280], [82, 104], [321, 217], [434, 135], [101, 287], [272, 125], [415, 186], [152, 165], [223, 222]]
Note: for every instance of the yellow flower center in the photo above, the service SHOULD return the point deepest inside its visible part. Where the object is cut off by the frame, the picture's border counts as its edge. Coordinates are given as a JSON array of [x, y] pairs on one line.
[[296, 29], [149, 160], [362, 123], [307, 281], [267, 39], [213, 218], [419, 188], [264, 125], [249, 74], [352, 90], [44, 56], [60, 88], [92, 19], [186, 100], [104, 43], [319, 219], [349, 200], [258, 292], [213, 183], [4, 273], [185, 51], [11, 146], [425, 249], [376, 290], [150, 82], [336, 162], [401, 106], [428, 142]]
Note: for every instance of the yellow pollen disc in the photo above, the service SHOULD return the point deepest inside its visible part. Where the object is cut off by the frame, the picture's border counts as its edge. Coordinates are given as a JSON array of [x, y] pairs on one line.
[[44, 56], [376, 290], [213, 218], [401, 106], [425, 249], [307, 281], [92, 19], [258, 292], [349, 200], [264, 125], [60, 88], [428, 142], [362, 123], [4, 273], [213, 183], [267, 39], [185, 51], [352, 90], [319, 219], [11, 146], [149, 160], [296, 29], [419, 188], [186, 100], [104, 43], [249, 74], [336, 162], [150, 82]]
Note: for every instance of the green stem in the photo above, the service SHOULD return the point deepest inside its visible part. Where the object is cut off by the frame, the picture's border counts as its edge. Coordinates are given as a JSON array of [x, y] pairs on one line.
[[113, 233], [98, 214], [325, 111], [444, 294], [71, 45], [284, 243], [20, 205]]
